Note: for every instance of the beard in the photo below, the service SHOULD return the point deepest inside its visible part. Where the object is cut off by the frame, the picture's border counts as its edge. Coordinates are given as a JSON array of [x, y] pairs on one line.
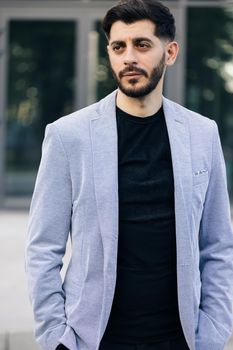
[[154, 79]]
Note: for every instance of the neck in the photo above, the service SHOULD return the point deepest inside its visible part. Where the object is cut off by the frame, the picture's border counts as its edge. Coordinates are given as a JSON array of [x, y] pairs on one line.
[[143, 106]]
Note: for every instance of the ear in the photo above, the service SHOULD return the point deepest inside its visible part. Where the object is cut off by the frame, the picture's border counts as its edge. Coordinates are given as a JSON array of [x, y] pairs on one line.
[[172, 50]]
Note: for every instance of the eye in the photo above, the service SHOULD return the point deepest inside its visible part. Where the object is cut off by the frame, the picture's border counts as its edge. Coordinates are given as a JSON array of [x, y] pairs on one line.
[[117, 48], [143, 45]]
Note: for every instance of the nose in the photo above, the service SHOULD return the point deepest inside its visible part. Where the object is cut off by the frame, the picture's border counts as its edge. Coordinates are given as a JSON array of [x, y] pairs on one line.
[[130, 56]]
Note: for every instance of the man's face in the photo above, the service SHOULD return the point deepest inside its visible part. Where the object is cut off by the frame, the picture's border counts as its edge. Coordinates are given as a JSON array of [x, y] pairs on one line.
[[137, 57]]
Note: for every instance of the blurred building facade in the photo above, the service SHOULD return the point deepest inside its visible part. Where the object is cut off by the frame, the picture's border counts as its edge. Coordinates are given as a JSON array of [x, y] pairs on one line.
[[53, 61]]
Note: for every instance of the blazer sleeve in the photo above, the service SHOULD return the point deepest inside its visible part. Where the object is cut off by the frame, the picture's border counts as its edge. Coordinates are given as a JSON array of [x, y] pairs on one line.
[[48, 230], [216, 258]]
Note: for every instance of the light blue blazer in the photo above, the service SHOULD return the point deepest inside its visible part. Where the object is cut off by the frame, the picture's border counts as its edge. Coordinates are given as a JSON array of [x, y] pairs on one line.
[[76, 193]]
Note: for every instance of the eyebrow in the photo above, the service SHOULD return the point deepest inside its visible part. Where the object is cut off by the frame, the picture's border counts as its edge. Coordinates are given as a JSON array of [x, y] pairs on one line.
[[135, 41]]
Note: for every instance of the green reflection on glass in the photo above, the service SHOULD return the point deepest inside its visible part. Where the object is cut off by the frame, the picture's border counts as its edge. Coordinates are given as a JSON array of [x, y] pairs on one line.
[[105, 81], [210, 72], [40, 89]]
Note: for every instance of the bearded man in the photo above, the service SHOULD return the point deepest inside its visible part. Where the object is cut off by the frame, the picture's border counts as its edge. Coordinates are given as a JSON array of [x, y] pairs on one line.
[[139, 184]]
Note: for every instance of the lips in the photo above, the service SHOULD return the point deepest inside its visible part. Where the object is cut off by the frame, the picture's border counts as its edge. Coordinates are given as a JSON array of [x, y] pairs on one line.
[[131, 74]]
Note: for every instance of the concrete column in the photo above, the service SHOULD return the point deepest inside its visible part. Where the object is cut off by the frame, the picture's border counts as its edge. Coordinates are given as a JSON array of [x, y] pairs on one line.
[[3, 89], [175, 81], [83, 28]]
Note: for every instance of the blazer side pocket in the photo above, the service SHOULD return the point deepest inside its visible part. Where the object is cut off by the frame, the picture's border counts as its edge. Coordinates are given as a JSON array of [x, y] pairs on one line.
[[209, 330]]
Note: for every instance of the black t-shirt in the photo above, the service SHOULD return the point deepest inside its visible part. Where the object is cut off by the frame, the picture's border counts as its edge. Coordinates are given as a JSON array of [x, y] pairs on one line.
[[145, 305], [61, 347]]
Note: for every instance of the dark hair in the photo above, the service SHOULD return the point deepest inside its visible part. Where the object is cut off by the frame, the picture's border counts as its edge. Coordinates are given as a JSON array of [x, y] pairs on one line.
[[130, 11]]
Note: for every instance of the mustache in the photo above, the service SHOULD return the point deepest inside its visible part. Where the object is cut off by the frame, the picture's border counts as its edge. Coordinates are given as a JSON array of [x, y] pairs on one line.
[[132, 69]]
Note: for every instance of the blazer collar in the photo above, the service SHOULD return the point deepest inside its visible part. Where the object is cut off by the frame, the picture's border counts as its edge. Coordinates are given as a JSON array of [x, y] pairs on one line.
[[106, 108]]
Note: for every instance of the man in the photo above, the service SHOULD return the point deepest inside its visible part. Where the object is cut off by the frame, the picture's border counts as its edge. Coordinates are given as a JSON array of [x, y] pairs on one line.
[[139, 183]]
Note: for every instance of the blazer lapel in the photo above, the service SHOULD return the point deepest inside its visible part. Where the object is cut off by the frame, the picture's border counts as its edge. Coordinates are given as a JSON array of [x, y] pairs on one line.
[[105, 164], [179, 137]]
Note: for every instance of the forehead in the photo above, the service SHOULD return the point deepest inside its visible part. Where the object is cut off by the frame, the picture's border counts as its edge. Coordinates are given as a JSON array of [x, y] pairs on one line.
[[122, 31]]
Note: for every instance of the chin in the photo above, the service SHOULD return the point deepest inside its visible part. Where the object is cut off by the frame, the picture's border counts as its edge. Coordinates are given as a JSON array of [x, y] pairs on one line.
[[133, 87]]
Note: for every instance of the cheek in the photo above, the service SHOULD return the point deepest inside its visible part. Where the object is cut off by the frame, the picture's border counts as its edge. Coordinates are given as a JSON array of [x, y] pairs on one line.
[[115, 64]]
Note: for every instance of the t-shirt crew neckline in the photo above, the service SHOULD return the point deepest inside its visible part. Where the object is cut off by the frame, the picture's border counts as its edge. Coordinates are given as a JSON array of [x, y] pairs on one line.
[[140, 120]]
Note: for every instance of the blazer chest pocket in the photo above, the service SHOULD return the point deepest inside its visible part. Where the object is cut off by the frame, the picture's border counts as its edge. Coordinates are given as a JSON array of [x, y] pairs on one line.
[[200, 185], [200, 177]]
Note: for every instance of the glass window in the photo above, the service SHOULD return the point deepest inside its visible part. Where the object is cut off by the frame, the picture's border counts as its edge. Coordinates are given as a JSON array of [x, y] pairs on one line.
[[210, 72], [105, 81], [40, 90]]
